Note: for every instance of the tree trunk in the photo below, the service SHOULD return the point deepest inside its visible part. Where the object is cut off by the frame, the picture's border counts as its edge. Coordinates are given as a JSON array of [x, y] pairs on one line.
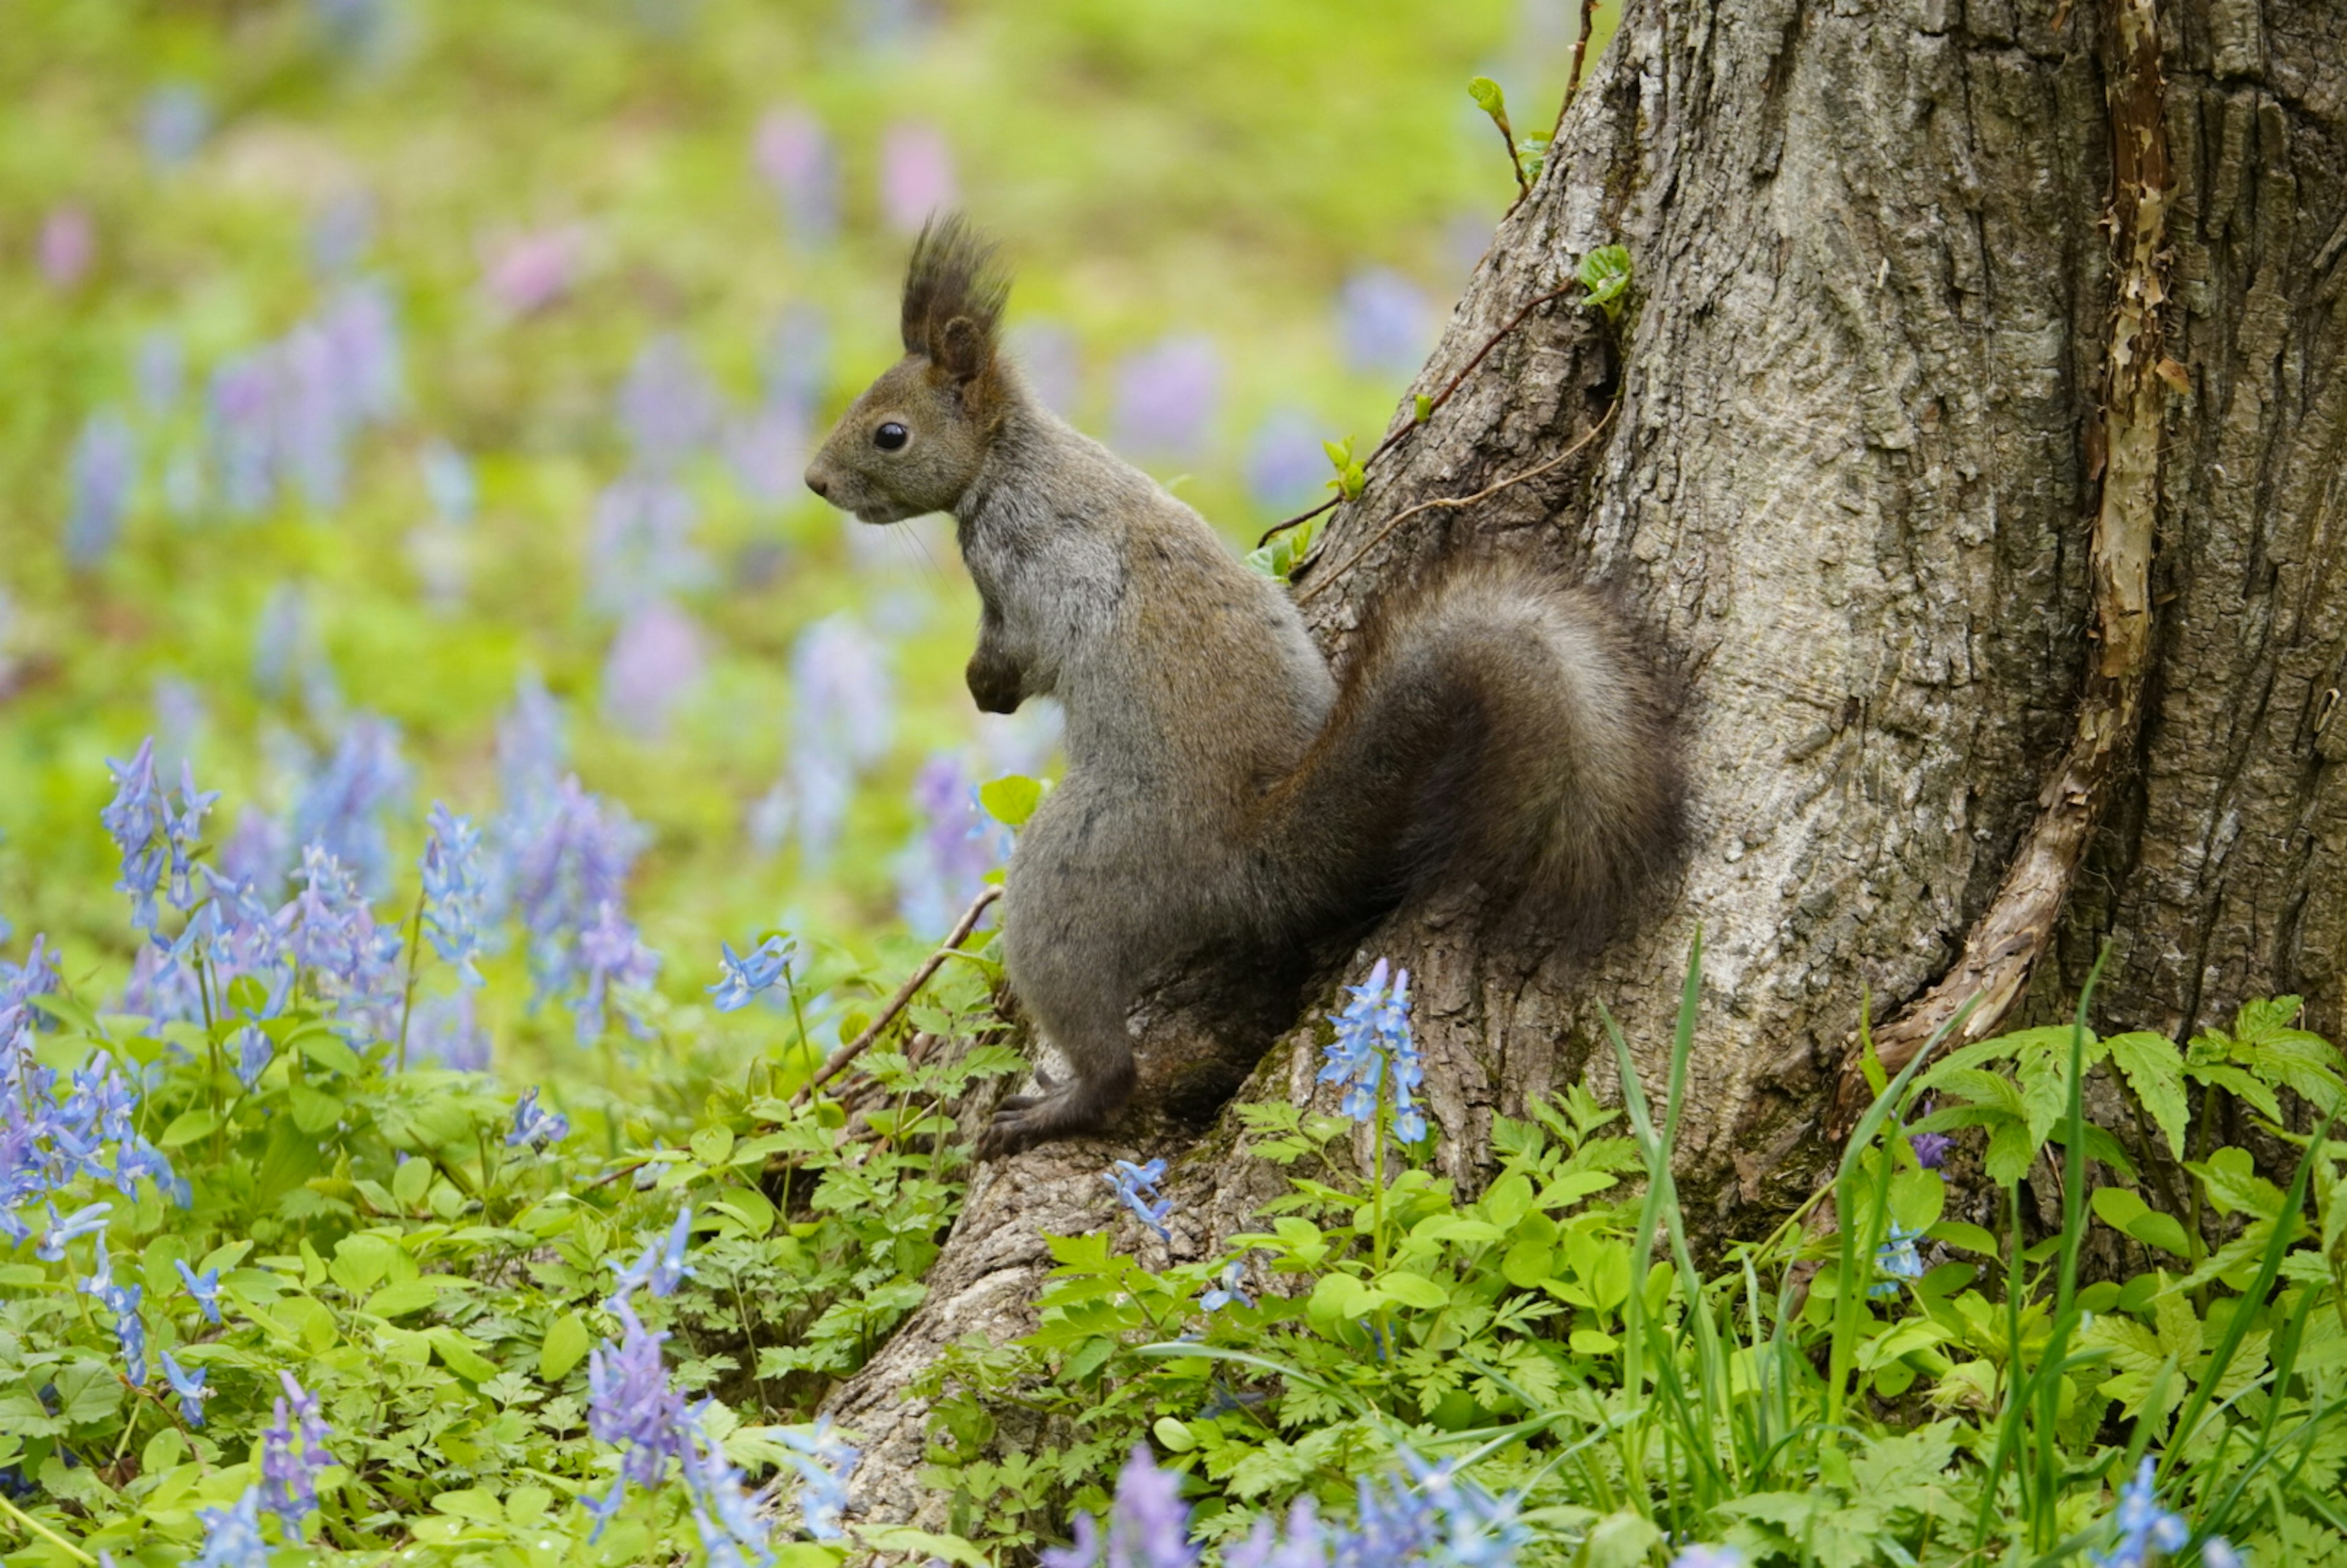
[[1848, 472]]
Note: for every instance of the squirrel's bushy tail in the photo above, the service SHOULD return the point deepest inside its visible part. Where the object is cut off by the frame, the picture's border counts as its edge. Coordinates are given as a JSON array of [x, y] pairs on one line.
[[1495, 729]]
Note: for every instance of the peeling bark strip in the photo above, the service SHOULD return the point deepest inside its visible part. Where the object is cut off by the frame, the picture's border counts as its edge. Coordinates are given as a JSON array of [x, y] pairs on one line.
[[2013, 933]]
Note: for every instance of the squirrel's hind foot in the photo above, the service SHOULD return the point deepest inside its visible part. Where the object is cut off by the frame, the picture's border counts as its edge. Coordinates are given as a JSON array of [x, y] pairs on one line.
[[1024, 1120]]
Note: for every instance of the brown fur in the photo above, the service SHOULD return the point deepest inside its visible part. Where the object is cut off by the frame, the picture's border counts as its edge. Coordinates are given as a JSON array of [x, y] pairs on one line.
[[1224, 794]]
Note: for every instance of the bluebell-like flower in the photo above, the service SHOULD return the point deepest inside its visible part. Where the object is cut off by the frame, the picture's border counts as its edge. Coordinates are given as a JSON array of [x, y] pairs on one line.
[[1148, 1524], [569, 855], [843, 712], [61, 1231], [343, 805], [448, 1030], [2143, 1527], [746, 977], [1385, 321], [293, 1453], [158, 841], [630, 1404], [944, 866], [122, 1300], [203, 1289], [177, 119], [1475, 1529], [2217, 1553], [105, 474], [794, 155], [725, 1511], [613, 958], [352, 963], [661, 1267], [1137, 1186], [1701, 1556], [452, 893], [190, 1387], [824, 1460], [1166, 398], [1372, 1031], [534, 1127], [640, 543], [1898, 1258], [1223, 1293], [232, 1534]]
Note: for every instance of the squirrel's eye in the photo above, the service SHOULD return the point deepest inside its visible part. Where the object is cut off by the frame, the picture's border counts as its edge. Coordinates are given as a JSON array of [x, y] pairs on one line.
[[891, 436]]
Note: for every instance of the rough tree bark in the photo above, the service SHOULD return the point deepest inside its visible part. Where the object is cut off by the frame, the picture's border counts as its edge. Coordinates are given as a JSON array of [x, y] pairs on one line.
[[1849, 487]]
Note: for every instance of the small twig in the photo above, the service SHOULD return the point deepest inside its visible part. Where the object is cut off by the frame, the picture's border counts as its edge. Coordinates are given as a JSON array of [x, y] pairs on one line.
[[1572, 83], [1437, 401], [1454, 502], [1524, 186], [847, 1054]]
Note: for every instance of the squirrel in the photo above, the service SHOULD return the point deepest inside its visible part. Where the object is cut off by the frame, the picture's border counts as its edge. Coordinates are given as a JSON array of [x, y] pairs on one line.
[[1222, 783]]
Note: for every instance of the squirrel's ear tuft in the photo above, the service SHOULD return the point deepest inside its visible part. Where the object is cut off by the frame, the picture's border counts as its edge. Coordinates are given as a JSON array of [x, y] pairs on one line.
[[954, 292]]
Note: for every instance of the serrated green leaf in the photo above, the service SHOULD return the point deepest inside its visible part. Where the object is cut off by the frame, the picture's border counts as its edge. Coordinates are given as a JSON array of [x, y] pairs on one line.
[[1011, 799], [2153, 1069]]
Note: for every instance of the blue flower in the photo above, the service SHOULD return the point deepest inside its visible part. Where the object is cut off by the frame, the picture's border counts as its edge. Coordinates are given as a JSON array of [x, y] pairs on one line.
[[203, 1288], [452, 891], [662, 1268], [122, 1300], [232, 1534], [1374, 1028], [1228, 1291], [725, 1511], [746, 977], [60, 1233], [824, 1462], [1897, 1257], [190, 1387], [1704, 1556], [1148, 1524], [158, 843], [352, 963], [614, 958], [1136, 1185], [630, 1404], [293, 1453], [535, 1128], [2143, 1527], [104, 474], [342, 804]]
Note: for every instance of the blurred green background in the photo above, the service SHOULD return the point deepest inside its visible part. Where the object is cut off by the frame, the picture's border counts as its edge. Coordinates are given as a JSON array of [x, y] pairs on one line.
[[364, 363]]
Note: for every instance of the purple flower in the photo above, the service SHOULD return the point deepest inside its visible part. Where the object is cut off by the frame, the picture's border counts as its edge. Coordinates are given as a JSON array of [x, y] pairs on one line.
[[1384, 321], [824, 1462], [447, 1030], [655, 660], [794, 155], [67, 247], [2143, 1526], [1135, 1186], [452, 891], [232, 1534], [177, 118], [1148, 1524], [942, 869], [340, 235], [244, 437], [352, 962], [203, 1289], [258, 854], [189, 1387], [613, 957], [531, 750], [794, 368], [726, 1513], [530, 271], [1285, 463], [1166, 398], [293, 1453], [630, 1405], [840, 678], [105, 473], [1897, 1258], [1050, 362], [342, 804], [744, 978], [1227, 1291], [159, 370], [640, 543], [570, 855], [663, 1268], [533, 1127], [1373, 1026], [122, 1300], [666, 406], [917, 174], [158, 844], [63, 1231]]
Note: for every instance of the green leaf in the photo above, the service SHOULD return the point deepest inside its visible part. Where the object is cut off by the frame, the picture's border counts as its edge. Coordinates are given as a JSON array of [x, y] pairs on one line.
[[2118, 1207], [1527, 1264], [1174, 1436], [313, 1110], [411, 1181], [2153, 1069], [471, 1503], [361, 1261], [2010, 1150], [461, 1355], [713, 1146], [1487, 96], [1413, 1290], [912, 1543], [1010, 800], [1422, 408], [2237, 1083], [401, 1298], [326, 1049], [187, 1127], [1604, 275], [566, 1341]]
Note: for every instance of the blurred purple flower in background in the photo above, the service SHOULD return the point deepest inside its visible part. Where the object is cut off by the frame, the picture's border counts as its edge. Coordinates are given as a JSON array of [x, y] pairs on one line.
[[1051, 362], [794, 155], [794, 368], [243, 432], [666, 406], [1285, 467], [178, 720], [288, 411], [942, 869], [1166, 398], [160, 370], [527, 273], [569, 858], [917, 174], [343, 802], [639, 544], [887, 24], [258, 854], [531, 749], [1385, 321], [612, 955], [844, 716], [105, 473], [67, 246], [767, 449], [448, 1030], [158, 844], [453, 892], [655, 660], [173, 124], [342, 232]]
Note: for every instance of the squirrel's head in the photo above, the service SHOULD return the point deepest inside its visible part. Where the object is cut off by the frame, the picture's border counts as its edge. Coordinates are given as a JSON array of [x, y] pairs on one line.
[[916, 438]]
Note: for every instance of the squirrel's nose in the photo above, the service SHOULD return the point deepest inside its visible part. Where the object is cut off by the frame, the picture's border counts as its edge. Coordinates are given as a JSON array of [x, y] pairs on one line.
[[818, 484]]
